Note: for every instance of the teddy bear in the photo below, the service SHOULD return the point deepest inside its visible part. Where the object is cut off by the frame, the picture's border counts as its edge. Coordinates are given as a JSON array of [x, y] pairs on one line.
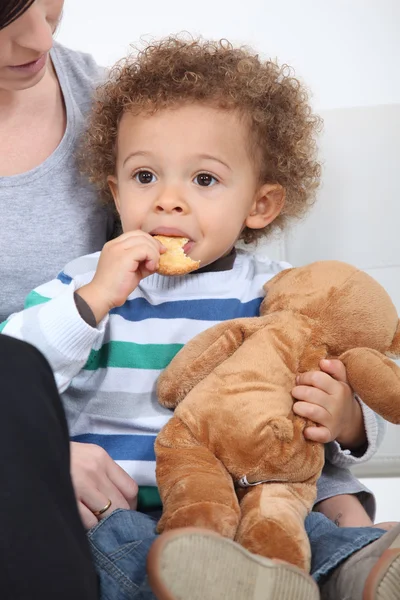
[[233, 458]]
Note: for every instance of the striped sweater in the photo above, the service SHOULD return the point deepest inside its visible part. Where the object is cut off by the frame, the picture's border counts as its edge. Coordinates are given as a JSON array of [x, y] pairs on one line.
[[107, 375]]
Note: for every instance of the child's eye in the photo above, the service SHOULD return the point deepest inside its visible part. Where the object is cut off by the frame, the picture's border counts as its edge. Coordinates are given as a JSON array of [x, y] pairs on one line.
[[144, 177], [205, 180]]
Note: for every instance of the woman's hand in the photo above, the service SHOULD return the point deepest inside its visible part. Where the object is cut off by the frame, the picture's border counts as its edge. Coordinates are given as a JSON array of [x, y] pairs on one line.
[[97, 479]]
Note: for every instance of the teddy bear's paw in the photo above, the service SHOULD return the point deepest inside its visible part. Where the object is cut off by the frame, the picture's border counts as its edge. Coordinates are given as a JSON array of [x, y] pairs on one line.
[[206, 515]]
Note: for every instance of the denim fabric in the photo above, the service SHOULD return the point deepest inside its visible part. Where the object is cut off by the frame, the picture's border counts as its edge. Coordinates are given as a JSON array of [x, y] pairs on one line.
[[331, 545], [120, 544]]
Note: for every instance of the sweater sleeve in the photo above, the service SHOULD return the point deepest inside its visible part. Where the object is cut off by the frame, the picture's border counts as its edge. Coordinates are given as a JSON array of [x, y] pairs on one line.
[[52, 323], [375, 428]]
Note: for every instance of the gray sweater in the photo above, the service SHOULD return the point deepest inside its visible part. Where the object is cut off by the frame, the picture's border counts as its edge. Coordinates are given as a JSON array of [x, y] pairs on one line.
[[50, 215]]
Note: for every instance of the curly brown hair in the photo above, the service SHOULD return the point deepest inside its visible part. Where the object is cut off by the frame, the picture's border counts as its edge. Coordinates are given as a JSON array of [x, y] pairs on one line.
[[176, 71]]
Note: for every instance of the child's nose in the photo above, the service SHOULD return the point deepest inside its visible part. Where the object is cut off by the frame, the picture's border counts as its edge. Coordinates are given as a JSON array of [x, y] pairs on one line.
[[171, 203]]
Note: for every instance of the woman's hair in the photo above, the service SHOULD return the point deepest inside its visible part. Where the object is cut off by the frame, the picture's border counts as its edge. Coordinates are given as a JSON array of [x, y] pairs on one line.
[[11, 10], [174, 71]]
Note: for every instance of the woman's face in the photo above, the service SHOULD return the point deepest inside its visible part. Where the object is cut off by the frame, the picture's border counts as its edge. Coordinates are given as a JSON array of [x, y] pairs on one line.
[[25, 44]]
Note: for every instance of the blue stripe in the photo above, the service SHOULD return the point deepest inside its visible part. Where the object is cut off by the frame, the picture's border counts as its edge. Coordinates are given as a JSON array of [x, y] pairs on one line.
[[122, 447], [64, 278], [140, 309]]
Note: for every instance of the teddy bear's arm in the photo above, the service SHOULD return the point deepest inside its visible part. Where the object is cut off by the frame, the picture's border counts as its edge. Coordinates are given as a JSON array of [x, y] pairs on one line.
[[201, 355], [376, 379]]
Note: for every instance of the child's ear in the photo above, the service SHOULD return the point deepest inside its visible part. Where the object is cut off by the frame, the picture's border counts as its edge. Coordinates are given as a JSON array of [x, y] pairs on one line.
[[113, 185], [268, 204]]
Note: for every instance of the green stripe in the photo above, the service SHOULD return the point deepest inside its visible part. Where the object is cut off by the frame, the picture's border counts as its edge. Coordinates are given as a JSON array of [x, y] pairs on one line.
[[2, 325], [127, 355], [34, 298], [148, 498]]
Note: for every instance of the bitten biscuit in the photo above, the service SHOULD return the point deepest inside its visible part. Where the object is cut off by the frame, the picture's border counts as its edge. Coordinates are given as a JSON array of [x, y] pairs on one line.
[[174, 261]]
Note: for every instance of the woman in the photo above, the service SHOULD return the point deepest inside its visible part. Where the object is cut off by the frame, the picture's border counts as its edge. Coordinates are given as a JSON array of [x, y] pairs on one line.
[[49, 214]]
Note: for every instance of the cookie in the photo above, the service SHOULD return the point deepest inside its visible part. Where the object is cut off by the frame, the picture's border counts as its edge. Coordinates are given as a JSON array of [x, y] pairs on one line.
[[174, 261]]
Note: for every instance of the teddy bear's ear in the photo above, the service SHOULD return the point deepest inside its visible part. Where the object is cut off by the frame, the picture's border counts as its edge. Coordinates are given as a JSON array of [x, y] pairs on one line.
[[394, 350]]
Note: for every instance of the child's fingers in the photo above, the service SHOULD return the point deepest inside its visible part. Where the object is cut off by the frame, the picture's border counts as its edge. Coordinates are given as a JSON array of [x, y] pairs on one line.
[[313, 412], [162, 249], [318, 434], [145, 253], [150, 265], [137, 245], [131, 239], [310, 394], [319, 380], [335, 368], [131, 235]]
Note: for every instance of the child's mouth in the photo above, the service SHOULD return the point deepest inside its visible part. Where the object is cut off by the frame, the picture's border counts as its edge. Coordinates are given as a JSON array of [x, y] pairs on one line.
[[170, 232]]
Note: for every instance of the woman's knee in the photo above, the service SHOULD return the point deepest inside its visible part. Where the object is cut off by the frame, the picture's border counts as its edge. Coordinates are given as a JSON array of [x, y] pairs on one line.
[[15, 353]]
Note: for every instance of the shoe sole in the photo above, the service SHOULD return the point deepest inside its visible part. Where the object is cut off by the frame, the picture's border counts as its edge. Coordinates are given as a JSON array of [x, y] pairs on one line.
[[211, 567], [383, 582]]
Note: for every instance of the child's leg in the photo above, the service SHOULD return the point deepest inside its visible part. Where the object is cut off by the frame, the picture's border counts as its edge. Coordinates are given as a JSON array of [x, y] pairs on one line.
[[331, 545], [349, 563], [345, 510], [355, 563]]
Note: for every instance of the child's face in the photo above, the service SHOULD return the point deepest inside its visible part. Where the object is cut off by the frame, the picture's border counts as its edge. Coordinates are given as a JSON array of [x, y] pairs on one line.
[[188, 172]]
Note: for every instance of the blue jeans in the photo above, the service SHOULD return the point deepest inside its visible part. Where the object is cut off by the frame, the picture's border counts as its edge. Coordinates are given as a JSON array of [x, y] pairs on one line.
[[120, 544], [331, 545]]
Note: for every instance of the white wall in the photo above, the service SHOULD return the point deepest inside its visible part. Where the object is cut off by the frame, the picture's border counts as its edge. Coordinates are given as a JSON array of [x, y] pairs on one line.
[[387, 493], [348, 53]]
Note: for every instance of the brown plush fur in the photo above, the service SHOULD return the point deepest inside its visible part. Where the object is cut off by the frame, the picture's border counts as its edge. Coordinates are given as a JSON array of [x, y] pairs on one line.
[[231, 390]]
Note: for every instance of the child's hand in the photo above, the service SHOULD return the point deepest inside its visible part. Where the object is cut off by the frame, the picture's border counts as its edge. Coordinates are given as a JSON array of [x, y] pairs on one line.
[[326, 398], [123, 263]]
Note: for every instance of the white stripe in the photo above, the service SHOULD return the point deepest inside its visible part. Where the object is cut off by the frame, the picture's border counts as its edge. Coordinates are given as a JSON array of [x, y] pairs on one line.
[[243, 289], [150, 426], [117, 379], [82, 265], [51, 289], [143, 472], [155, 331]]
